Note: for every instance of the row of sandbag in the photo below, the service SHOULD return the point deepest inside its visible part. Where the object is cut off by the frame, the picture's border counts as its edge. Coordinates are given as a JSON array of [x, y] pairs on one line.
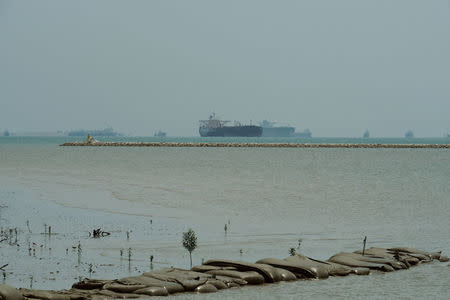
[[217, 274]]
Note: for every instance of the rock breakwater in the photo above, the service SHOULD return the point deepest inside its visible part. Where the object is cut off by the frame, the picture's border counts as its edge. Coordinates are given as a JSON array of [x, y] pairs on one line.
[[218, 274], [255, 145]]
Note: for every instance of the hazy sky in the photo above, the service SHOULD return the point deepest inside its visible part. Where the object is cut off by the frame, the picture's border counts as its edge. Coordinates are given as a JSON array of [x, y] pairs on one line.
[[335, 67]]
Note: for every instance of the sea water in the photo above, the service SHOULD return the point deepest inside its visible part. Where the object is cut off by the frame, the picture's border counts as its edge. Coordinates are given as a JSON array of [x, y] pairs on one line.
[[318, 201]]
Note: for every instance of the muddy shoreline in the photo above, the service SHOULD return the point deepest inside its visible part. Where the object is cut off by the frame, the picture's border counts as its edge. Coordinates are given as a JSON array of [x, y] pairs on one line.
[[219, 274]]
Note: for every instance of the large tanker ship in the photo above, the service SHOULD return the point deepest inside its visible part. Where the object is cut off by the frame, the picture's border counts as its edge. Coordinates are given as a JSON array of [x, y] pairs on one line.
[[216, 127], [269, 130]]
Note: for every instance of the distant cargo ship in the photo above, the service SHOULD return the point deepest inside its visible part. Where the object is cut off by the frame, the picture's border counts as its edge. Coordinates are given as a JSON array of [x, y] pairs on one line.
[[409, 134], [160, 134], [216, 127], [304, 134], [107, 132], [269, 130], [366, 134]]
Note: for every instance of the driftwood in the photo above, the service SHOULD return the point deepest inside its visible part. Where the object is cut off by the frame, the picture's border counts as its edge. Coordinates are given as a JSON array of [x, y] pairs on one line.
[[97, 233]]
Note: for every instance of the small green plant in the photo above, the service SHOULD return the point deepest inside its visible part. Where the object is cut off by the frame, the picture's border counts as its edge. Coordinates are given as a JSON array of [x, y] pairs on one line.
[[28, 226], [292, 251], [190, 242], [225, 228], [129, 259], [299, 243], [80, 251], [91, 270]]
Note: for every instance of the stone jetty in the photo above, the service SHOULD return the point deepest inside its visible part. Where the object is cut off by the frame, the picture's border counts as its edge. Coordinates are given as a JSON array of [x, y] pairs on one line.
[[221, 274], [254, 145]]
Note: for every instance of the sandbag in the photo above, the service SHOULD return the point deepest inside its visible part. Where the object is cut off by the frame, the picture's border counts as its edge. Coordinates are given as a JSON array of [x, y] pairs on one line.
[[172, 287], [285, 274], [228, 279], [348, 259], [431, 255], [220, 285], [115, 295], [267, 274], [45, 295], [320, 267], [206, 268], [152, 291], [251, 277], [206, 288], [188, 279], [123, 288], [90, 284], [300, 271], [378, 260], [7, 292]]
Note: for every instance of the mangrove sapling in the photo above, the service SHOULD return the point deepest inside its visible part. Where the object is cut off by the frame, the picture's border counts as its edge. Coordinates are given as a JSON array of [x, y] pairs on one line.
[[90, 270], [28, 226], [151, 262], [225, 228], [129, 259], [292, 251], [364, 245], [190, 242], [299, 243], [79, 251]]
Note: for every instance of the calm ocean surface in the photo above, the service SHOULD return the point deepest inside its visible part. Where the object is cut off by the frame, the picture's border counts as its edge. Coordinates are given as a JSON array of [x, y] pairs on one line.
[[269, 199]]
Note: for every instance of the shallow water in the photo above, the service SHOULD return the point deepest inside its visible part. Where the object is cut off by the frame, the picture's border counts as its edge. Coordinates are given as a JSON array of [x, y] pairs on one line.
[[269, 199]]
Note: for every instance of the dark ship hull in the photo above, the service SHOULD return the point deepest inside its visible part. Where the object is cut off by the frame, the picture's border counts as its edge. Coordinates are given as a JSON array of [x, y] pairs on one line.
[[232, 131], [283, 131]]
